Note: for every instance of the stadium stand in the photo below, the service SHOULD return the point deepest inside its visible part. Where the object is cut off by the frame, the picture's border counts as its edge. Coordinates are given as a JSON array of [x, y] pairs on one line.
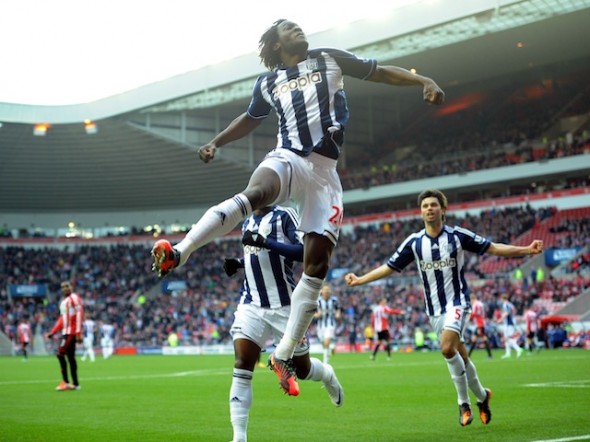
[[113, 276], [565, 229], [511, 148]]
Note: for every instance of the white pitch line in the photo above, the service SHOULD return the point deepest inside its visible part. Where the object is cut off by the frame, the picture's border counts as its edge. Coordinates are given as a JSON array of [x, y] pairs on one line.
[[584, 383], [133, 377], [565, 439]]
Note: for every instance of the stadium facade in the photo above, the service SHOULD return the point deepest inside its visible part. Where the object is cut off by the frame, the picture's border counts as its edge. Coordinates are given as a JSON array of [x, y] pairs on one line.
[[130, 159]]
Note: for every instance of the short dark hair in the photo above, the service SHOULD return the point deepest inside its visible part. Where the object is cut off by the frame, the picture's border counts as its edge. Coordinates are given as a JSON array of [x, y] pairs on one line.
[[433, 193], [268, 56]]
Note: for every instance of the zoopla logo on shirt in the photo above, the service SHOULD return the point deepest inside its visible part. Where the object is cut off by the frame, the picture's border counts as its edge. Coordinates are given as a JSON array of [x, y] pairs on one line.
[[438, 265], [298, 83]]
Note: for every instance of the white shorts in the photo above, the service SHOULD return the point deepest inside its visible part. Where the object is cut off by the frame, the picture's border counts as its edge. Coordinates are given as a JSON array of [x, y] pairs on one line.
[[326, 333], [258, 324], [509, 331], [88, 342], [106, 342], [312, 182], [454, 319]]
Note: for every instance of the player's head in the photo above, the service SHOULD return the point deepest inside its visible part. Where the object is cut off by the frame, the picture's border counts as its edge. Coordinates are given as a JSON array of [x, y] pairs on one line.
[[430, 201], [326, 291], [66, 288], [282, 36]]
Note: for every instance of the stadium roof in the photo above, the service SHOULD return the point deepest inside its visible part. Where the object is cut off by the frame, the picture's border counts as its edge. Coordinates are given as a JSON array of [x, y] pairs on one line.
[[143, 156]]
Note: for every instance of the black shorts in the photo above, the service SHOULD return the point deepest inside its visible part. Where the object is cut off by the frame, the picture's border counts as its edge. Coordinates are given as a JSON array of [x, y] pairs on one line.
[[67, 345], [383, 335]]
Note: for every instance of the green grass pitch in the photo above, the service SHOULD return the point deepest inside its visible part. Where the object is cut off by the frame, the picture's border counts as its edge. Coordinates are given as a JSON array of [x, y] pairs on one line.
[[540, 397]]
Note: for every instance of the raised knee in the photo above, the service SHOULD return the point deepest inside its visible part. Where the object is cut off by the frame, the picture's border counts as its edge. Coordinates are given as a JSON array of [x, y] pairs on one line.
[[263, 193], [447, 351]]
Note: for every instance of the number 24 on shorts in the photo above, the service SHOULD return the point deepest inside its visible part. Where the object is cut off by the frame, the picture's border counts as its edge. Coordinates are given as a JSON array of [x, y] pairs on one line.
[[337, 216]]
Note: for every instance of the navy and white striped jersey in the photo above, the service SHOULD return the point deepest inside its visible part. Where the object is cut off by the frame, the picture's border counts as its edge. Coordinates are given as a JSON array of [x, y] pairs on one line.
[[327, 309], [269, 279], [440, 264], [509, 310], [107, 331], [309, 98], [89, 326]]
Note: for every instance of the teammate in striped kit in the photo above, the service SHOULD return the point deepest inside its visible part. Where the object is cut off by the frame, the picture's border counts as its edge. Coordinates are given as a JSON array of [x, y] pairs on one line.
[[89, 327], [439, 252], [271, 246], [107, 340], [509, 328], [328, 314], [478, 315], [380, 322], [305, 87], [70, 323]]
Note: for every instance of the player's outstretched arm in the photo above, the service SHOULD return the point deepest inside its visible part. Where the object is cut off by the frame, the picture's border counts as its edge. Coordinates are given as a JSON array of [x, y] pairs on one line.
[[239, 128], [380, 272], [397, 76], [509, 250]]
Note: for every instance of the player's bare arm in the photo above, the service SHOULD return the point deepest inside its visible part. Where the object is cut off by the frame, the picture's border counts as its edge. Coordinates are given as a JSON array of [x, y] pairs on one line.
[[239, 128], [380, 272], [509, 250], [397, 76]]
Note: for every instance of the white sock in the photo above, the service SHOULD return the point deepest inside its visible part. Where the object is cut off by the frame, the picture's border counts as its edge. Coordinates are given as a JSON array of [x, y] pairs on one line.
[[514, 345], [304, 304], [316, 372], [473, 381], [458, 375], [240, 401], [326, 355], [219, 220]]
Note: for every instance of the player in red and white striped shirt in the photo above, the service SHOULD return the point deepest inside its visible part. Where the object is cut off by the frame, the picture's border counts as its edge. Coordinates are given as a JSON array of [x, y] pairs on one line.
[[380, 321], [532, 327], [70, 323], [478, 316], [23, 332]]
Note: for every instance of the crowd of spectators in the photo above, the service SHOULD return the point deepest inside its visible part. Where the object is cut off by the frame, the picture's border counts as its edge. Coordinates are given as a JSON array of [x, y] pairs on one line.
[[467, 161], [499, 128], [117, 284], [572, 232]]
